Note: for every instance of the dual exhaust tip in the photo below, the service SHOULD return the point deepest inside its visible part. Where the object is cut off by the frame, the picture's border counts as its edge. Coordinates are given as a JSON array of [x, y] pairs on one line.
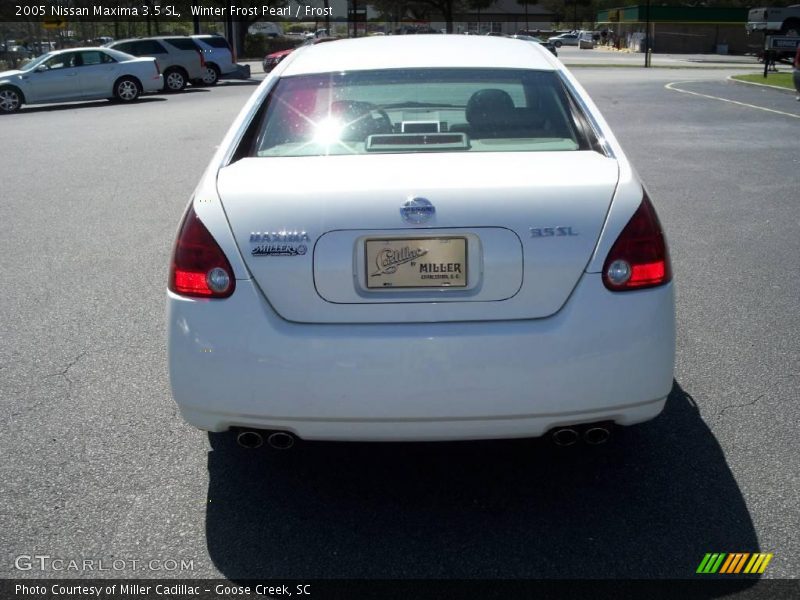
[[279, 440], [594, 435]]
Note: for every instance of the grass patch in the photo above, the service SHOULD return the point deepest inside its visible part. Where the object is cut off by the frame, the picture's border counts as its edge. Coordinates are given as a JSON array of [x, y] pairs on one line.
[[783, 80]]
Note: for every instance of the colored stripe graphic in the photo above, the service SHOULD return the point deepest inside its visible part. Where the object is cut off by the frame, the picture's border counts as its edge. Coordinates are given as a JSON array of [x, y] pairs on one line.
[[710, 563], [741, 562], [733, 563]]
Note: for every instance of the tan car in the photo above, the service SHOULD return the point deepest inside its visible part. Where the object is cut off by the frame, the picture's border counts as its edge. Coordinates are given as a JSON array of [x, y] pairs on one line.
[[179, 58]]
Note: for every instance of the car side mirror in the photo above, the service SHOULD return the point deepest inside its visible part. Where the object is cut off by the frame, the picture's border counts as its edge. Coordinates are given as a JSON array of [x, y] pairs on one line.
[[41, 68]]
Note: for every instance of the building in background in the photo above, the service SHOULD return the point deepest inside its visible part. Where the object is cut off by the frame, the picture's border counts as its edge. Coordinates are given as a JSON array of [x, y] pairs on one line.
[[679, 29]]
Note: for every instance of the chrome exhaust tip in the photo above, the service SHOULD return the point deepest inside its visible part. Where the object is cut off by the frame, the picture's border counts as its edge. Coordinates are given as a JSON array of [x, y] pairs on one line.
[[250, 439], [596, 435], [280, 440], [565, 436]]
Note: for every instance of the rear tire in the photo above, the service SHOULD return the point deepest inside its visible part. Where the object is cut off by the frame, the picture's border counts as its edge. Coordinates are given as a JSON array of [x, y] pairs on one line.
[[174, 80], [10, 100], [211, 75], [557, 44], [127, 89]]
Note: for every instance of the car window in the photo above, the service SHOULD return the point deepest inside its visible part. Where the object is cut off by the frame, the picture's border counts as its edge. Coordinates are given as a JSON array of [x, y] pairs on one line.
[[216, 42], [95, 58], [62, 61], [147, 48], [182, 43], [125, 47], [421, 110]]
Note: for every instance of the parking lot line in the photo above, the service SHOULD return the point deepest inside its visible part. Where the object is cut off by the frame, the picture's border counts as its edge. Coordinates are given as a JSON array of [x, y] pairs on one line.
[[670, 86]]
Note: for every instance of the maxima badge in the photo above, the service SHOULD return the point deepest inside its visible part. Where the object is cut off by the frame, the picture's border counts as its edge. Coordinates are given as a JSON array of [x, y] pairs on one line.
[[417, 210]]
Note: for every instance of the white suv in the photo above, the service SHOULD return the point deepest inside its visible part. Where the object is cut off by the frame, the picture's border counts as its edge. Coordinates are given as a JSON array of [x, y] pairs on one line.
[[179, 58]]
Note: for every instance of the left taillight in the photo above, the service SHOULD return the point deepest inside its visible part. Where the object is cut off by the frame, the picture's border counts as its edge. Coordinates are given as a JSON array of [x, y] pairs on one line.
[[639, 258], [199, 267], [202, 58]]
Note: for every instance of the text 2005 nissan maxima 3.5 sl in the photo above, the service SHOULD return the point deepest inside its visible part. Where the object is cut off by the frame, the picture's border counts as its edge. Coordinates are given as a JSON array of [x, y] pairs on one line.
[[420, 238]]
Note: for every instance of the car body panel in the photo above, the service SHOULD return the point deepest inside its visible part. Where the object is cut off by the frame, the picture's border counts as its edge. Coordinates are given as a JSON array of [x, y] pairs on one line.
[[222, 57], [237, 363], [516, 191]]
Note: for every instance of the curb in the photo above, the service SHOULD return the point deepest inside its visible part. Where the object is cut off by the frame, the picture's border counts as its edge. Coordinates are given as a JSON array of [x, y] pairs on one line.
[[764, 85]]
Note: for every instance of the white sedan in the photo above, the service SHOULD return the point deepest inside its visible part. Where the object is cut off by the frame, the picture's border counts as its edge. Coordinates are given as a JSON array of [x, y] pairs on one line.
[[79, 74], [420, 238]]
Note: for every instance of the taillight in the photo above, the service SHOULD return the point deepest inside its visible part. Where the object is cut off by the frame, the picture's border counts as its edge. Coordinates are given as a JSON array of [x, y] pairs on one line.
[[639, 258], [158, 69], [202, 59], [199, 267]]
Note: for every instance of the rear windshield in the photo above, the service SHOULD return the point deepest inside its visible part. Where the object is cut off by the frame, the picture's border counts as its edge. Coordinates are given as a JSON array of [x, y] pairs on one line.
[[216, 42], [419, 110]]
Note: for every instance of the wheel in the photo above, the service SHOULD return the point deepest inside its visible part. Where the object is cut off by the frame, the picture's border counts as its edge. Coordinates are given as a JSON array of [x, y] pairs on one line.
[[211, 75], [557, 44], [126, 89], [10, 100], [174, 80]]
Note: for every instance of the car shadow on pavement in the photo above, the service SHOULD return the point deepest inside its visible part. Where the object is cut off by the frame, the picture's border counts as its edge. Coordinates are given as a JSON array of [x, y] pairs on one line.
[[239, 82], [649, 503], [93, 104]]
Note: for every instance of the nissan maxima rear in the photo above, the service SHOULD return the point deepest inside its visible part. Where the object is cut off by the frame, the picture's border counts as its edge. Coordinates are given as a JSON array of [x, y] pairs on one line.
[[420, 238]]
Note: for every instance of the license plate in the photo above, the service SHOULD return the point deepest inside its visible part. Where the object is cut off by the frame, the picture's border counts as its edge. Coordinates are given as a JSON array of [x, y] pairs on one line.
[[432, 262]]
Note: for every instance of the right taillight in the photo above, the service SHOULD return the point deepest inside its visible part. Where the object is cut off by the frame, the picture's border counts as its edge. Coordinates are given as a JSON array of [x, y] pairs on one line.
[[199, 267], [639, 258]]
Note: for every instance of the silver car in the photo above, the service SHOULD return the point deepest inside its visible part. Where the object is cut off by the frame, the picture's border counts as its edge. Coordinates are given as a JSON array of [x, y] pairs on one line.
[[565, 39], [79, 74]]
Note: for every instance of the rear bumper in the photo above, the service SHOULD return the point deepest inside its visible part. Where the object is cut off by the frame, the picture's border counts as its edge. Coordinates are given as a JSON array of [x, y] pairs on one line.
[[154, 84], [603, 357]]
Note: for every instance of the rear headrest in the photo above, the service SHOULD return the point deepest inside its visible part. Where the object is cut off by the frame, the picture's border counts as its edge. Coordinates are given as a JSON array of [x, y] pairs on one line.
[[489, 107]]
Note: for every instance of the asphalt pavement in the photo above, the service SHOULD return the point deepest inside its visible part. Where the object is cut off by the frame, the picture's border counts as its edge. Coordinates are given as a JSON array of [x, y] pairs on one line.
[[97, 463]]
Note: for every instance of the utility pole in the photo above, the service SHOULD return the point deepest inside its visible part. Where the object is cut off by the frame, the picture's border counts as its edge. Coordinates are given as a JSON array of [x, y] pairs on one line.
[[647, 36]]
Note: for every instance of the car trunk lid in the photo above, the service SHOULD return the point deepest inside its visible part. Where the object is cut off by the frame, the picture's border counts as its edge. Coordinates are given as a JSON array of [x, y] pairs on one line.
[[509, 235]]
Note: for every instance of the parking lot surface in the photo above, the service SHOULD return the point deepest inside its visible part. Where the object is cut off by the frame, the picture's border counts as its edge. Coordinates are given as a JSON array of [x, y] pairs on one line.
[[98, 464]]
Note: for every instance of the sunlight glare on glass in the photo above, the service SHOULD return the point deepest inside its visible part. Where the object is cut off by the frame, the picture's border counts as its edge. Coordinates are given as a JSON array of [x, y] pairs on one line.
[[327, 131]]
